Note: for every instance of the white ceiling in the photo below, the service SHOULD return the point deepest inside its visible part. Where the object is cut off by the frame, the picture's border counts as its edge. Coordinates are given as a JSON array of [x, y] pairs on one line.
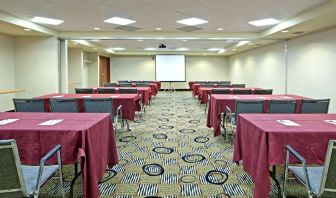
[[81, 16]]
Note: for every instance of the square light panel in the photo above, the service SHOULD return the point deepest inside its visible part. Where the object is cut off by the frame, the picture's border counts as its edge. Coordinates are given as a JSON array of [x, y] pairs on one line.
[[48, 21], [192, 21], [264, 22], [119, 21]]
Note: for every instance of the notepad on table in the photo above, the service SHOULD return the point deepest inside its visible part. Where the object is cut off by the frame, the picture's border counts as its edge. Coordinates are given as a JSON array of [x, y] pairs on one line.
[[7, 121], [114, 96], [286, 97], [331, 121], [59, 96], [288, 123], [88, 96], [50, 122]]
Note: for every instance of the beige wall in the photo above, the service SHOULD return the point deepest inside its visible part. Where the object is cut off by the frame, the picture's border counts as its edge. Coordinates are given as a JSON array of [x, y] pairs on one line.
[[91, 69], [36, 68], [7, 71], [143, 68], [311, 66], [75, 68]]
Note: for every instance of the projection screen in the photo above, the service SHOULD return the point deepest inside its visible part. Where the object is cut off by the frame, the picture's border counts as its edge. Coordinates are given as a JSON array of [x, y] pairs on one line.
[[170, 68]]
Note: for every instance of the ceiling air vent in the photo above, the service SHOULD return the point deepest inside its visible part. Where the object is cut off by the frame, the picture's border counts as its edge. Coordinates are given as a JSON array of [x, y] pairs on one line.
[[189, 29], [127, 28]]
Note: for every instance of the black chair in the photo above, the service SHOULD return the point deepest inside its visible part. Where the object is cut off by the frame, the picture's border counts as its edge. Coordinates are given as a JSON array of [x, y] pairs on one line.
[[128, 91], [142, 85], [28, 105], [63, 105], [315, 106], [25, 181], [110, 84], [320, 181], [242, 91], [238, 85], [224, 82], [106, 90], [103, 105], [241, 106], [263, 91], [125, 84], [282, 106], [124, 81], [224, 85], [84, 90], [220, 91]]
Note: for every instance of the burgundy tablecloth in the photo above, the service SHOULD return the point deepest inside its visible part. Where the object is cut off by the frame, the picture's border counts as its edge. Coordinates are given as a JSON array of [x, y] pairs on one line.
[[146, 92], [203, 92], [260, 142], [88, 137], [218, 103], [190, 83], [130, 102]]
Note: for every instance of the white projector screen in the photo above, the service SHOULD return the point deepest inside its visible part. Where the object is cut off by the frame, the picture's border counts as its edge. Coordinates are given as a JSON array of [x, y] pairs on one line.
[[170, 68]]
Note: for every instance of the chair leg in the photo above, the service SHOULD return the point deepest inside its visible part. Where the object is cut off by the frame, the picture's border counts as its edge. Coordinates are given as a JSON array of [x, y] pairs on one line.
[[61, 181]]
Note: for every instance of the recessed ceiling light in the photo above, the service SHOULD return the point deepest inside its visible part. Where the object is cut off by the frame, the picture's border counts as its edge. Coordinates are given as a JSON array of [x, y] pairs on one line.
[[264, 22], [117, 48], [192, 21], [214, 49], [221, 51], [48, 21], [75, 43], [220, 29], [234, 49], [204, 54], [95, 40], [140, 40], [284, 31], [250, 43], [182, 49], [184, 40], [158, 29], [96, 28], [150, 49], [109, 50], [119, 21], [27, 29]]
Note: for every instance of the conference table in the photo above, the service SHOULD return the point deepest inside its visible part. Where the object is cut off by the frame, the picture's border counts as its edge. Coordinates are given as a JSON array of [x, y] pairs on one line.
[[87, 137], [155, 86], [130, 102], [261, 138], [196, 86], [203, 92], [218, 103], [146, 92]]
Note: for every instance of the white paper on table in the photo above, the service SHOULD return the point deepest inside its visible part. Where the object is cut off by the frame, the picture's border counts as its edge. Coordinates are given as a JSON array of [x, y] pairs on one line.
[[114, 96], [262, 97], [60, 96], [50, 122], [331, 121], [286, 97], [235, 97], [7, 121], [88, 96], [288, 123]]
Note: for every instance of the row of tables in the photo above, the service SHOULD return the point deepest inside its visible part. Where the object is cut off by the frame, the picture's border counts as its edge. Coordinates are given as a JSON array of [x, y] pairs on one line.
[[261, 138], [85, 137]]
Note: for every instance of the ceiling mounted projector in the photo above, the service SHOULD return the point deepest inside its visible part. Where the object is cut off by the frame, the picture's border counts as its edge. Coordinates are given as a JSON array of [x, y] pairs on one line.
[[162, 46]]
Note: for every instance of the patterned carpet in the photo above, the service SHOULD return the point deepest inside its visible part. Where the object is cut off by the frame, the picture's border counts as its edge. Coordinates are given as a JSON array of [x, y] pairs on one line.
[[171, 153]]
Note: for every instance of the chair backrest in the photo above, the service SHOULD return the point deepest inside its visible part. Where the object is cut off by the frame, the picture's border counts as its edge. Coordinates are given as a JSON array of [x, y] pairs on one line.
[[238, 85], [242, 91], [224, 82], [315, 106], [264, 91], [84, 90], [224, 85], [28, 105], [110, 84], [125, 84], [63, 105], [282, 106], [142, 85], [328, 185], [98, 105], [220, 91], [106, 90], [249, 106], [128, 91], [12, 181], [124, 81]]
